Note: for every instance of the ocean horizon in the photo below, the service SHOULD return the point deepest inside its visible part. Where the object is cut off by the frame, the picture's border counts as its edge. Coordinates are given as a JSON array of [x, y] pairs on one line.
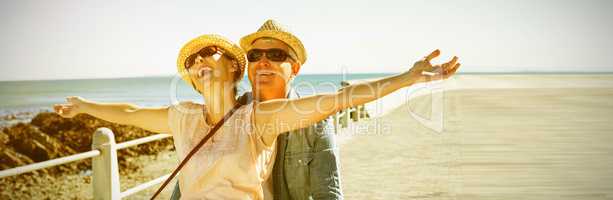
[[37, 95], [40, 95], [339, 74]]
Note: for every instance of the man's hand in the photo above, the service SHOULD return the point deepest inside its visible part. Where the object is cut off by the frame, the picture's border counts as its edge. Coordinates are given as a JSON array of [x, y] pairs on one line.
[[423, 71], [70, 109]]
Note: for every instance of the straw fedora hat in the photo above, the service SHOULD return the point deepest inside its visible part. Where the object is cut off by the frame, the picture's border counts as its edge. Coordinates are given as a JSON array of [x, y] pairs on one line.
[[273, 29], [203, 41]]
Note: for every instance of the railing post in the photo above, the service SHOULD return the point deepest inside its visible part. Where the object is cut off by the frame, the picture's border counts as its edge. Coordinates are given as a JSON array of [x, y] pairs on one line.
[[357, 114], [105, 167], [336, 122], [345, 118], [363, 113]]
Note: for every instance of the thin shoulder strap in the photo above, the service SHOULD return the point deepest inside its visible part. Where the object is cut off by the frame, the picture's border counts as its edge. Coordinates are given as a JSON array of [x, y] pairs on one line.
[[196, 148]]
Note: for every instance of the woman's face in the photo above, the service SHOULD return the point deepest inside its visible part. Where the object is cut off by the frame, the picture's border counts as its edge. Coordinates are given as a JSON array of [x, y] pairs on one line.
[[209, 70]]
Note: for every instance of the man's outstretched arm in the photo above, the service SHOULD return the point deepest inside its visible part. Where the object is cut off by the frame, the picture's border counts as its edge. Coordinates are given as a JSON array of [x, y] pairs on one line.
[[281, 115]]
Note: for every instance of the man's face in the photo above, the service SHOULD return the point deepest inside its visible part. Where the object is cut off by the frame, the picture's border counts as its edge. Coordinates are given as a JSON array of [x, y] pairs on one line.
[[269, 78]]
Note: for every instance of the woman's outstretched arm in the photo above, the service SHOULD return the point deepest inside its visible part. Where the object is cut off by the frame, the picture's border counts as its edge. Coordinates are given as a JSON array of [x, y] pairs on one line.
[[274, 117], [151, 119]]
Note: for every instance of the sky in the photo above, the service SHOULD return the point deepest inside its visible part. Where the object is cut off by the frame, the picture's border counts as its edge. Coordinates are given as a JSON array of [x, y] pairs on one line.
[[63, 39]]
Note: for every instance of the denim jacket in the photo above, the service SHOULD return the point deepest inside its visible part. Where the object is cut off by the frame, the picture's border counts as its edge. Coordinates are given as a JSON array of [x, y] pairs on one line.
[[307, 163]]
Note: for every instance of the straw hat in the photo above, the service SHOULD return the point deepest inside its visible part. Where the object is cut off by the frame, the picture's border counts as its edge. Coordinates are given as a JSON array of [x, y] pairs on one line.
[[203, 41], [273, 29]]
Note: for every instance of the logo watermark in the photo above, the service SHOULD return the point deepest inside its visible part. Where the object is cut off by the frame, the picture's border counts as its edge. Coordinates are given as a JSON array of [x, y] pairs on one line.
[[326, 97]]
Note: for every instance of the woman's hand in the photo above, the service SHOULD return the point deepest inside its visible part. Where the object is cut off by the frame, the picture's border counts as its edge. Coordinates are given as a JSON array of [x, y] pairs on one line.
[[424, 71], [154, 119], [71, 108]]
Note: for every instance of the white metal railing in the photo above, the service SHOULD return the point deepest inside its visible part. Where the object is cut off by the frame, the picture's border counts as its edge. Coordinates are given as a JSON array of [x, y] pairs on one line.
[[48, 163], [143, 186], [105, 168]]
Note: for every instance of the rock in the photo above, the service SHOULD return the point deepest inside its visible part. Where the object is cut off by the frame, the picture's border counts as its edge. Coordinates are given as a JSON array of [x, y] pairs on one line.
[[28, 140], [50, 136], [9, 158], [4, 138]]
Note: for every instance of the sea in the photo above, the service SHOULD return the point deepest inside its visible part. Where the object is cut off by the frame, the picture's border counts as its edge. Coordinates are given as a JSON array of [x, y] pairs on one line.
[[30, 97]]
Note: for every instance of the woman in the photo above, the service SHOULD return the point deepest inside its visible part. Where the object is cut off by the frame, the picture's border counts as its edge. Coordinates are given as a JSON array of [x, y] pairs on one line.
[[232, 165], [237, 160]]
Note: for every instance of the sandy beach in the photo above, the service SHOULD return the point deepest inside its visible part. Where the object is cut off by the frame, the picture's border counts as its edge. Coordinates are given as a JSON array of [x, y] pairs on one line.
[[542, 138]]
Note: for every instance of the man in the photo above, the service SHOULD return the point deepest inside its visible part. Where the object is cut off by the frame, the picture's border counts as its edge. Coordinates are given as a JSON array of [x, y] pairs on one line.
[[307, 161]]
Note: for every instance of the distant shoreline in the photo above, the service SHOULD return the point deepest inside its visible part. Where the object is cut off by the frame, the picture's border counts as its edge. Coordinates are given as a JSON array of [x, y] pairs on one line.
[[339, 74]]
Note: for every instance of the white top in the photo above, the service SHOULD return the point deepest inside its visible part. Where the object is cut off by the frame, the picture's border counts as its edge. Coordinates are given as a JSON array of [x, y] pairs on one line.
[[233, 164]]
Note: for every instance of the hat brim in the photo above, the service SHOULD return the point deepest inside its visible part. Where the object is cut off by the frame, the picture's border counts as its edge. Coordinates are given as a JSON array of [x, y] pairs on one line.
[[195, 45], [288, 38]]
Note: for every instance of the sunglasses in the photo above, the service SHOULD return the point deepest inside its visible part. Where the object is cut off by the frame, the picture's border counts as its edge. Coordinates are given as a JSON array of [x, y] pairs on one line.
[[204, 52], [276, 55]]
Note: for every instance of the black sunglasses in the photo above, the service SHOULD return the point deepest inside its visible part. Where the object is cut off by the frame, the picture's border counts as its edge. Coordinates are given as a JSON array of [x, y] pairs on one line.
[[277, 55]]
